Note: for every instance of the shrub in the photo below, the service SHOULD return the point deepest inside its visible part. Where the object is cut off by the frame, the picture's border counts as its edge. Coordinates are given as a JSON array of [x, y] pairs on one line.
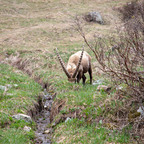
[[133, 15], [124, 62]]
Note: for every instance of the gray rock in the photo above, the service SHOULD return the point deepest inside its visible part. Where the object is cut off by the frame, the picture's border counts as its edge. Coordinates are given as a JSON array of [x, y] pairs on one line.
[[46, 142], [47, 131], [26, 128], [3, 88], [9, 94], [47, 105], [103, 87], [46, 95], [22, 117], [141, 111], [15, 85], [94, 17], [9, 85], [53, 124], [119, 88], [98, 82], [100, 121], [67, 119]]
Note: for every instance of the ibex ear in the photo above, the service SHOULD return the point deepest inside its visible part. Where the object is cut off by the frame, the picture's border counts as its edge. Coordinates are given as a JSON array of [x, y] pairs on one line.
[[62, 64], [77, 68]]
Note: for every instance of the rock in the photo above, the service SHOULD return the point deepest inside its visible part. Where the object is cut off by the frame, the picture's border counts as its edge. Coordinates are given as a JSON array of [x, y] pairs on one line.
[[141, 111], [9, 94], [67, 119], [53, 124], [47, 131], [100, 121], [46, 95], [119, 88], [9, 86], [47, 105], [26, 128], [15, 85], [94, 16], [98, 82], [22, 117], [3, 88], [103, 87], [46, 142]]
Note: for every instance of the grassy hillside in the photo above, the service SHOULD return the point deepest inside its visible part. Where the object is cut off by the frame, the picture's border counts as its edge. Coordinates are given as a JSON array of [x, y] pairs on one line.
[[30, 31], [18, 94]]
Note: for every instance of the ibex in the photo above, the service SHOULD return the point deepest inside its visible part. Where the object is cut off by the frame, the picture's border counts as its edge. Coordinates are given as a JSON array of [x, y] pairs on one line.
[[78, 64]]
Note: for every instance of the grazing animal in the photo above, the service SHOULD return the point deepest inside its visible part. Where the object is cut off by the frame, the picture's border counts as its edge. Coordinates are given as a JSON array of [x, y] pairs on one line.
[[78, 64]]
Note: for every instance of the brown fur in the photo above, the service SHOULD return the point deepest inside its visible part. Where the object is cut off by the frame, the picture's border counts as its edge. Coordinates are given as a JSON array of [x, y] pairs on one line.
[[84, 67]]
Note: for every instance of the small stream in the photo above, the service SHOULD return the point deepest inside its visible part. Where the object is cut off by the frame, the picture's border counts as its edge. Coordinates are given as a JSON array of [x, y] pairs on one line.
[[42, 120], [41, 112]]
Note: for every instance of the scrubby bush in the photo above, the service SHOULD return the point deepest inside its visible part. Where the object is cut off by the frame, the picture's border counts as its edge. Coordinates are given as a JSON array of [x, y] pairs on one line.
[[124, 61], [132, 14], [122, 58]]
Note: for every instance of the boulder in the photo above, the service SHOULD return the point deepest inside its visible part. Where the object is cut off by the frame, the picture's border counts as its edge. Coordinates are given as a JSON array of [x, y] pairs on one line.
[[22, 117], [26, 128], [94, 17], [103, 87]]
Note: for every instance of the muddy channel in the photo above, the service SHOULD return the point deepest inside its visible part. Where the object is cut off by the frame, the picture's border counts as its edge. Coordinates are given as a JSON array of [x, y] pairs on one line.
[[40, 113], [42, 119]]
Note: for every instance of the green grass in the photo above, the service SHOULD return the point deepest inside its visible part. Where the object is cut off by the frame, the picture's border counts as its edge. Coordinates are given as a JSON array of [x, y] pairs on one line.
[[92, 105], [15, 136], [20, 97], [78, 131], [28, 26]]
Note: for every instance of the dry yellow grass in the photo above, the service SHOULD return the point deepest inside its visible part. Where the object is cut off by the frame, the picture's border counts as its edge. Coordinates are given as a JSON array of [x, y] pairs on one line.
[[36, 27], [43, 23]]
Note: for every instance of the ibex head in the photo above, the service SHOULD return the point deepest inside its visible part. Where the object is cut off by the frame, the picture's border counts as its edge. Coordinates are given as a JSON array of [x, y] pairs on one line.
[[72, 69]]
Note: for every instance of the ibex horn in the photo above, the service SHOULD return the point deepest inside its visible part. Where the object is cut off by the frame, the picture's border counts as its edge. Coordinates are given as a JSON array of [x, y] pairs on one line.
[[62, 64], [77, 68]]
